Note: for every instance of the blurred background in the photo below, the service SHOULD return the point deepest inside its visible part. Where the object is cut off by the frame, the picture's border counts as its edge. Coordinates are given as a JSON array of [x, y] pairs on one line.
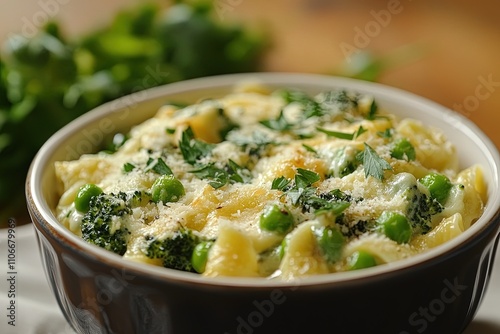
[[60, 58]]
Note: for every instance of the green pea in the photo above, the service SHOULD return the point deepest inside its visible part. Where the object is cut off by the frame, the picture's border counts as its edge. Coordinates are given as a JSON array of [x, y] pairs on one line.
[[167, 189], [276, 219], [200, 256], [84, 195], [403, 149], [331, 241], [361, 259], [439, 186], [395, 226]]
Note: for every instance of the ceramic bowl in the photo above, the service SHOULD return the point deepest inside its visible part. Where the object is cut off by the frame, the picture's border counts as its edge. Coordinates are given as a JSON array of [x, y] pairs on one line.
[[435, 292]]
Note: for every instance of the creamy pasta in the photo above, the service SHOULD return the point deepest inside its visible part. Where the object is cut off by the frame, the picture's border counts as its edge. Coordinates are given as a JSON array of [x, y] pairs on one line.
[[277, 184]]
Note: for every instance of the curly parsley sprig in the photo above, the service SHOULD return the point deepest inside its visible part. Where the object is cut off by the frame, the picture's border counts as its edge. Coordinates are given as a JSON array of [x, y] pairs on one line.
[[193, 150]]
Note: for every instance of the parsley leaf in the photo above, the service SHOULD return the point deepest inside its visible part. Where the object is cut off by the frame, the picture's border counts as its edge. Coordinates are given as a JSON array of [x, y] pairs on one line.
[[373, 111], [309, 149], [158, 166], [304, 194], [238, 173], [374, 165], [387, 134], [310, 107], [338, 101], [359, 132], [192, 149], [343, 135], [128, 167], [280, 183], [278, 124], [336, 134], [305, 178], [218, 177]]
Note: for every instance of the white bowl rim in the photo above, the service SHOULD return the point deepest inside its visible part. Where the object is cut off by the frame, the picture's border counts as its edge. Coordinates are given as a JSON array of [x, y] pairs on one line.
[[280, 79]]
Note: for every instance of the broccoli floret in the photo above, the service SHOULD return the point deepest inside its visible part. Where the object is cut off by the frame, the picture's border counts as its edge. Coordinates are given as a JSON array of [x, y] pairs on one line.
[[175, 251], [102, 224], [352, 229], [420, 209]]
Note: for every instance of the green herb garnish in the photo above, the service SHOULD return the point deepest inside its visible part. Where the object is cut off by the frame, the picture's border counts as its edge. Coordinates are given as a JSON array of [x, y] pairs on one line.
[[278, 124], [193, 149], [280, 183], [303, 193], [373, 111], [310, 107], [219, 177], [128, 167], [374, 165], [402, 149], [158, 166], [309, 148], [343, 135], [387, 134], [238, 173]]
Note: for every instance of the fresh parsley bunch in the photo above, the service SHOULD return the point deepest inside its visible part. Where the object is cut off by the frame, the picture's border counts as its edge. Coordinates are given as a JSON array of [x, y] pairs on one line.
[[48, 80]]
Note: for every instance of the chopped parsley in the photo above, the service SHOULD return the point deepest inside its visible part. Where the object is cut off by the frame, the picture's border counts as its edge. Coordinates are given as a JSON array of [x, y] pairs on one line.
[[402, 149], [339, 100], [158, 166], [193, 149], [219, 177], [387, 134], [238, 173], [280, 183], [128, 167], [309, 148], [254, 145], [302, 193], [373, 111], [343, 135], [278, 124], [305, 178], [374, 165], [310, 107]]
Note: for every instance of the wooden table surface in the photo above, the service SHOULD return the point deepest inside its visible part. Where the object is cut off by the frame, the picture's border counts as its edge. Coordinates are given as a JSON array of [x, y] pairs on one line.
[[453, 45]]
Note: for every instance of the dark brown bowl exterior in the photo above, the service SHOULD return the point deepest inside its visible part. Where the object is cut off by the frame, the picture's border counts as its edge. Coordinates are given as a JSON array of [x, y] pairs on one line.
[[439, 296], [98, 292]]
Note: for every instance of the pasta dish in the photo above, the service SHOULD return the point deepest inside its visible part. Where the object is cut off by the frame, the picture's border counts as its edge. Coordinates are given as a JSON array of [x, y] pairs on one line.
[[271, 183]]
